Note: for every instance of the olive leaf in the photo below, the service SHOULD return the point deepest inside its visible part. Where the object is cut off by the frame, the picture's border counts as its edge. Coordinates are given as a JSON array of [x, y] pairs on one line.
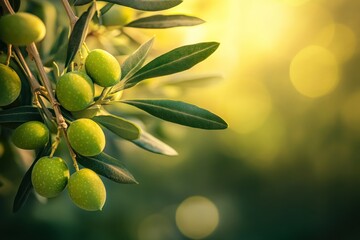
[[79, 33], [120, 126], [135, 61], [152, 144], [180, 112], [165, 21], [108, 167], [198, 80], [26, 186], [177, 60], [106, 8], [20, 114], [145, 5]]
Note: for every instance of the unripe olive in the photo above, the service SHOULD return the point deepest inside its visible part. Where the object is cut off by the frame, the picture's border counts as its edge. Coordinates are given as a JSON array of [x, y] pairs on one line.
[[87, 190], [50, 176], [31, 135], [103, 68], [21, 29], [117, 16], [10, 85], [75, 91], [86, 137]]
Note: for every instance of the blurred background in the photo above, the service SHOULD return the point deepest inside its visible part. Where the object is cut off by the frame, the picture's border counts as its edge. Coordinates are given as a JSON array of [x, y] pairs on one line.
[[288, 167]]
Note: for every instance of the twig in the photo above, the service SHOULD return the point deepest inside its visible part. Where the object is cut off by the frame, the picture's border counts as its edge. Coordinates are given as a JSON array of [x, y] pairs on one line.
[[72, 17]]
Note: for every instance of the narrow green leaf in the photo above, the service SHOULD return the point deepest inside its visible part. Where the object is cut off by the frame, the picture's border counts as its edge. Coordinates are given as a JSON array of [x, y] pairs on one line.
[[26, 185], [152, 144], [108, 167], [78, 34], [177, 60], [106, 8], [135, 61], [145, 5], [192, 81], [120, 126], [165, 21], [180, 112], [20, 115]]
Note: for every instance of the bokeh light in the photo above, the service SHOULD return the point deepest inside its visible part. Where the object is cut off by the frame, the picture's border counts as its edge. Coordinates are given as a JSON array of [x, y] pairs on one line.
[[314, 71], [339, 39], [197, 217]]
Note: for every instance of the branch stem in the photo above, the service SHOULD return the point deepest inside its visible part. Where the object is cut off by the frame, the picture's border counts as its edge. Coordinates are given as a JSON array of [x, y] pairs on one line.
[[72, 17]]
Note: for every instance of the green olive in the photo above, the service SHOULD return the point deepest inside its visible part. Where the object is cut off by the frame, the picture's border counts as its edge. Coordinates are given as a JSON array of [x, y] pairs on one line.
[[87, 190], [21, 29], [31, 135], [103, 68], [50, 176], [10, 85], [86, 137], [117, 16], [75, 91]]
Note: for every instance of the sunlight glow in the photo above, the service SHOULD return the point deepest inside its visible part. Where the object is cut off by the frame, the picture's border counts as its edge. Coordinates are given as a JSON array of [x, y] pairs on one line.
[[339, 39], [314, 71], [197, 217]]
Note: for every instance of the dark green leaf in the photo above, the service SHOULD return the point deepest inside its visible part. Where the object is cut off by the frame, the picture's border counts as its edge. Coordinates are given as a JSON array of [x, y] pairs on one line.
[[120, 126], [106, 8], [78, 34], [145, 5], [152, 144], [107, 166], [177, 60], [180, 112], [165, 21], [26, 185], [135, 61], [20, 115]]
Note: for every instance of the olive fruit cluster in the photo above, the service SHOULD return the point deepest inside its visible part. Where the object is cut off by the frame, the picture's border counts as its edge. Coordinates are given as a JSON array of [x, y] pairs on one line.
[[50, 176], [75, 90]]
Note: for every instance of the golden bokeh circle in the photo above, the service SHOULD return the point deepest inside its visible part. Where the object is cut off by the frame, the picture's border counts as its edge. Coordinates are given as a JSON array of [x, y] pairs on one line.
[[197, 217], [314, 71]]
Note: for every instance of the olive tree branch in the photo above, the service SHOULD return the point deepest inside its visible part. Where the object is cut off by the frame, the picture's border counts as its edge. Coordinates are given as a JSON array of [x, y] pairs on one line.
[[34, 54], [72, 17]]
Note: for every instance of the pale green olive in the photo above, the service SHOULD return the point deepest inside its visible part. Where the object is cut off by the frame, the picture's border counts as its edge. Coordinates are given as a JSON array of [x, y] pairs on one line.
[[31, 135], [86, 137], [21, 29], [50, 176], [86, 190], [10, 85], [103, 68], [75, 91], [118, 16]]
